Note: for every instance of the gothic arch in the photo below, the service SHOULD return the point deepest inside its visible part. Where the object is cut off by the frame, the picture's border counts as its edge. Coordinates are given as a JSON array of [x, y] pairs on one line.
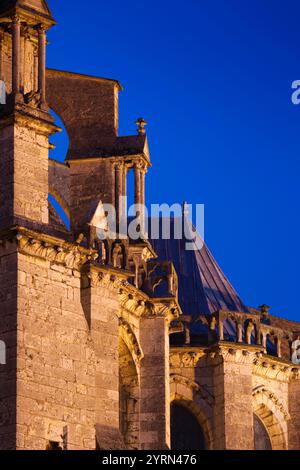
[[193, 387], [129, 396], [128, 336], [184, 394], [268, 408]]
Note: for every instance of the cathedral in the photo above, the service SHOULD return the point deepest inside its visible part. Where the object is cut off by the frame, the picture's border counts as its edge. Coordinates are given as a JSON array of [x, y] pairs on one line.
[[115, 343]]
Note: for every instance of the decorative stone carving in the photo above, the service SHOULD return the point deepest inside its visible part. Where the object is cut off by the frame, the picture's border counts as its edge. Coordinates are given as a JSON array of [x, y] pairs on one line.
[[131, 341], [262, 390], [195, 386], [72, 256], [106, 280], [185, 359], [267, 366], [139, 305]]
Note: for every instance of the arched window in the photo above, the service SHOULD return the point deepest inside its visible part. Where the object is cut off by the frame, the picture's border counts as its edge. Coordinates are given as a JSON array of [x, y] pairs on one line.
[[261, 437], [186, 432]]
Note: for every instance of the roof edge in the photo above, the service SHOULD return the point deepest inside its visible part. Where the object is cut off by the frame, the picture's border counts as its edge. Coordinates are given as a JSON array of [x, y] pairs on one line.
[[85, 76]]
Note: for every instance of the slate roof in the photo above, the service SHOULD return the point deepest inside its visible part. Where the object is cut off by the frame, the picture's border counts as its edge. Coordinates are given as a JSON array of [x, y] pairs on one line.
[[203, 287]]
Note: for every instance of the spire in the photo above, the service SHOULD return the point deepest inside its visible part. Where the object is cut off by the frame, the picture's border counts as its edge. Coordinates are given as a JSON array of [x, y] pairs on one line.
[[23, 29]]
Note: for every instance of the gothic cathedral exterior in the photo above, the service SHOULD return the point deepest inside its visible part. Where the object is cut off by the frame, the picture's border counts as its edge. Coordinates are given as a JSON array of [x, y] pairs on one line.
[[115, 343]]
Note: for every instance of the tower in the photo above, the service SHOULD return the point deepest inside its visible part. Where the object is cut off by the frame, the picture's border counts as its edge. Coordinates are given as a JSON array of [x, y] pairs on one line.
[[123, 342], [25, 122]]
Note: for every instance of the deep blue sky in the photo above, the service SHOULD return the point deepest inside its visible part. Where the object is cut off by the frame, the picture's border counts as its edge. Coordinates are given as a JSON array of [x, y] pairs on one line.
[[213, 79]]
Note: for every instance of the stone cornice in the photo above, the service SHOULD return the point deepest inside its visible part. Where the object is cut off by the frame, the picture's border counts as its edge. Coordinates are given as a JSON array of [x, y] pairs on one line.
[[27, 116], [262, 364], [52, 249], [234, 352], [275, 368], [106, 277], [114, 159], [139, 304], [186, 357], [132, 300]]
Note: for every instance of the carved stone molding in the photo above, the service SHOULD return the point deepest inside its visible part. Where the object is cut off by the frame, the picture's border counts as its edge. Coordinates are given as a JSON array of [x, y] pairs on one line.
[[106, 280], [261, 390], [274, 368], [70, 255], [140, 305], [195, 386], [234, 352], [185, 358], [131, 341]]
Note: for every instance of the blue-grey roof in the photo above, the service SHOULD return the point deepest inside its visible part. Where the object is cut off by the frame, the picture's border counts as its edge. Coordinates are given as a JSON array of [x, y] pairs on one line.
[[203, 287]]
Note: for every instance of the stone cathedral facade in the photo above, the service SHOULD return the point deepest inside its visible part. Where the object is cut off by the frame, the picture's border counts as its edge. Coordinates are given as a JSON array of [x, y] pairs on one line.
[[115, 344]]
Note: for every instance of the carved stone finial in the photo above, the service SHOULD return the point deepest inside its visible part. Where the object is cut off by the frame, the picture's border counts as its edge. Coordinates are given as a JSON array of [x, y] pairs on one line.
[[141, 124], [264, 309]]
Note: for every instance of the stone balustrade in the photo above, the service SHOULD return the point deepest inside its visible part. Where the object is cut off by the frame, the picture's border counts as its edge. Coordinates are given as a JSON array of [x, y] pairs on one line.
[[244, 328]]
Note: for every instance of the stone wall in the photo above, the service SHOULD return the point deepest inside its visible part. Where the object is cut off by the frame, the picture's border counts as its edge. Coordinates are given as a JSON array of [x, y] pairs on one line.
[[24, 173], [226, 387], [294, 410], [86, 103], [155, 388], [8, 334], [94, 179], [56, 359]]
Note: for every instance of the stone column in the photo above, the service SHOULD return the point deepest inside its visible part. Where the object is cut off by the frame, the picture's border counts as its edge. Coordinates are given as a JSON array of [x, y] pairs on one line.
[[264, 340], [221, 330], [42, 64], [1, 55], [143, 177], [137, 184], [23, 38], [113, 184], [233, 413], [16, 56], [124, 191], [139, 190], [154, 385], [119, 191], [239, 332], [278, 347]]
